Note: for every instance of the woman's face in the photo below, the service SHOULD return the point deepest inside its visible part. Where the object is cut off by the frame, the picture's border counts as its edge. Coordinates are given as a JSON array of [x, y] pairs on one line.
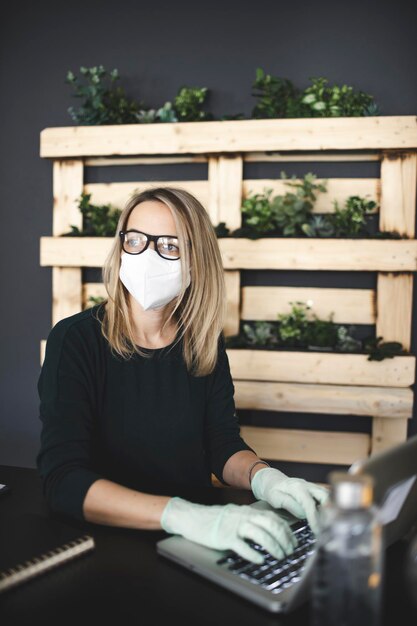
[[152, 217]]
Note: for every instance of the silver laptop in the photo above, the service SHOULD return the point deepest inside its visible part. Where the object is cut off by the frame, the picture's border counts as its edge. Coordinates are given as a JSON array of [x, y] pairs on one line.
[[281, 586]]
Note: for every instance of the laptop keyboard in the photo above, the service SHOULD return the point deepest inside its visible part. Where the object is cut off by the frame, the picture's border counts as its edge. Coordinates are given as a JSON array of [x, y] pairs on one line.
[[273, 574]]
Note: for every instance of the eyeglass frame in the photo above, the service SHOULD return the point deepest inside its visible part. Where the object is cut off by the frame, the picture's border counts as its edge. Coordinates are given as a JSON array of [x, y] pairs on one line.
[[149, 238]]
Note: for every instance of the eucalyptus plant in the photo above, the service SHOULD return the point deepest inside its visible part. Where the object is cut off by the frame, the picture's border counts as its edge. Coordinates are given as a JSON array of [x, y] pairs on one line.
[[102, 102], [292, 210], [260, 333]]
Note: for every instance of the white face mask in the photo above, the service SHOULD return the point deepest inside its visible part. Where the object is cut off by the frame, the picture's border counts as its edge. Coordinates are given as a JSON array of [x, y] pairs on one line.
[[152, 280]]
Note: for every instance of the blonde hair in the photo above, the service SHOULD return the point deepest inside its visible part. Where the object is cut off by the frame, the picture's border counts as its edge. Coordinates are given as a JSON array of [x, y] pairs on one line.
[[200, 308]]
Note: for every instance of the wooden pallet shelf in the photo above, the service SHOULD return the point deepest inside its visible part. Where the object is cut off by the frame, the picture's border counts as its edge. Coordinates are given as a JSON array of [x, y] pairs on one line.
[[282, 380]]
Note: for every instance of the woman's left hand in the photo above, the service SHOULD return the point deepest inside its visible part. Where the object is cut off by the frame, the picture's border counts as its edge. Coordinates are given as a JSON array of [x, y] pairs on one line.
[[296, 495]]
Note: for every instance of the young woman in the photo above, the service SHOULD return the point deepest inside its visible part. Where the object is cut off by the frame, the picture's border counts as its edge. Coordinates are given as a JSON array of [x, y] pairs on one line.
[[136, 394]]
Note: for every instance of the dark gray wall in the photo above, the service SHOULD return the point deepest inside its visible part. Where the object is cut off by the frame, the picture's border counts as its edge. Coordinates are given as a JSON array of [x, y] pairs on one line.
[[157, 47]]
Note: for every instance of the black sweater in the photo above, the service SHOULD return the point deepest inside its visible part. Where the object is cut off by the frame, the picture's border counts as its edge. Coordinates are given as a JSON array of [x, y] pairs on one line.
[[145, 423]]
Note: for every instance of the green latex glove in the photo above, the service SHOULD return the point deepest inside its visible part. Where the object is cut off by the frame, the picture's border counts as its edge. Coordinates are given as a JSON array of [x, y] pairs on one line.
[[225, 527], [296, 495]]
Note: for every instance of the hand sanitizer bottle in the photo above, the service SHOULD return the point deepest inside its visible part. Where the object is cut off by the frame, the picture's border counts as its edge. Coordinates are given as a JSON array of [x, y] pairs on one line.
[[348, 572]]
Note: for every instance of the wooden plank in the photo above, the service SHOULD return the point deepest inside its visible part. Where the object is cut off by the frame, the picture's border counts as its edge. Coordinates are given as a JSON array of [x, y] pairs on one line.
[[350, 306], [387, 432], [213, 206], [66, 292], [74, 251], [338, 189], [67, 188], [117, 194], [229, 179], [394, 323], [289, 253], [320, 368], [66, 282], [282, 253], [398, 193], [344, 133], [395, 307], [334, 399], [306, 446], [232, 280]]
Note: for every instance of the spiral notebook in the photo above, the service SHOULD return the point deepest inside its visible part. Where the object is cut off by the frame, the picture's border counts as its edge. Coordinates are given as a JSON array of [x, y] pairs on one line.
[[31, 545]]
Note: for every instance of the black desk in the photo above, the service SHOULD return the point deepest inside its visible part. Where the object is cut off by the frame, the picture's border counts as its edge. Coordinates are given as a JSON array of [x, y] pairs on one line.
[[125, 581]]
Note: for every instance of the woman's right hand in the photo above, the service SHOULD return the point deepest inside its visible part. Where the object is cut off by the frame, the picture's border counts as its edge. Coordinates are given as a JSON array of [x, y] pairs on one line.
[[225, 527]]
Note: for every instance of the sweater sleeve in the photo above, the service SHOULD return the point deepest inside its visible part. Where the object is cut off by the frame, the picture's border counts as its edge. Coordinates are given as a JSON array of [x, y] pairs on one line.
[[222, 422], [65, 388]]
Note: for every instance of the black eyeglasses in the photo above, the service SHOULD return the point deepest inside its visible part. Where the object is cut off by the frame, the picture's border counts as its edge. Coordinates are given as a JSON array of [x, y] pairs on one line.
[[136, 242]]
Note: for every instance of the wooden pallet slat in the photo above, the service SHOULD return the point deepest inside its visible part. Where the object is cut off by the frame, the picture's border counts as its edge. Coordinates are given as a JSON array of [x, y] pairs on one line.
[[398, 193], [349, 306], [319, 254], [320, 367], [117, 194], [307, 446], [320, 398], [359, 133], [279, 254]]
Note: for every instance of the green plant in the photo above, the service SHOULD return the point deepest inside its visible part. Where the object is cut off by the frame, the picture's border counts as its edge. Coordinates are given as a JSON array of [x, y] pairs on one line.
[[288, 213], [347, 221], [279, 97], [322, 333], [103, 103], [98, 220], [293, 326], [350, 220], [318, 226], [292, 211], [259, 333], [166, 113], [301, 327], [257, 211], [379, 349], [188, 103], [336, 101], [276, 96]]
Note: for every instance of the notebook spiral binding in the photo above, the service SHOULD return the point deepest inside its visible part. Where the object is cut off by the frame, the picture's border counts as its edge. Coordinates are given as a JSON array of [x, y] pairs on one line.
[[46, 561]]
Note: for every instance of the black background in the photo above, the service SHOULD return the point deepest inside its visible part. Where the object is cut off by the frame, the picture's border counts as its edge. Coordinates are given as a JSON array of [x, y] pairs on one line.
[[158, 47]]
